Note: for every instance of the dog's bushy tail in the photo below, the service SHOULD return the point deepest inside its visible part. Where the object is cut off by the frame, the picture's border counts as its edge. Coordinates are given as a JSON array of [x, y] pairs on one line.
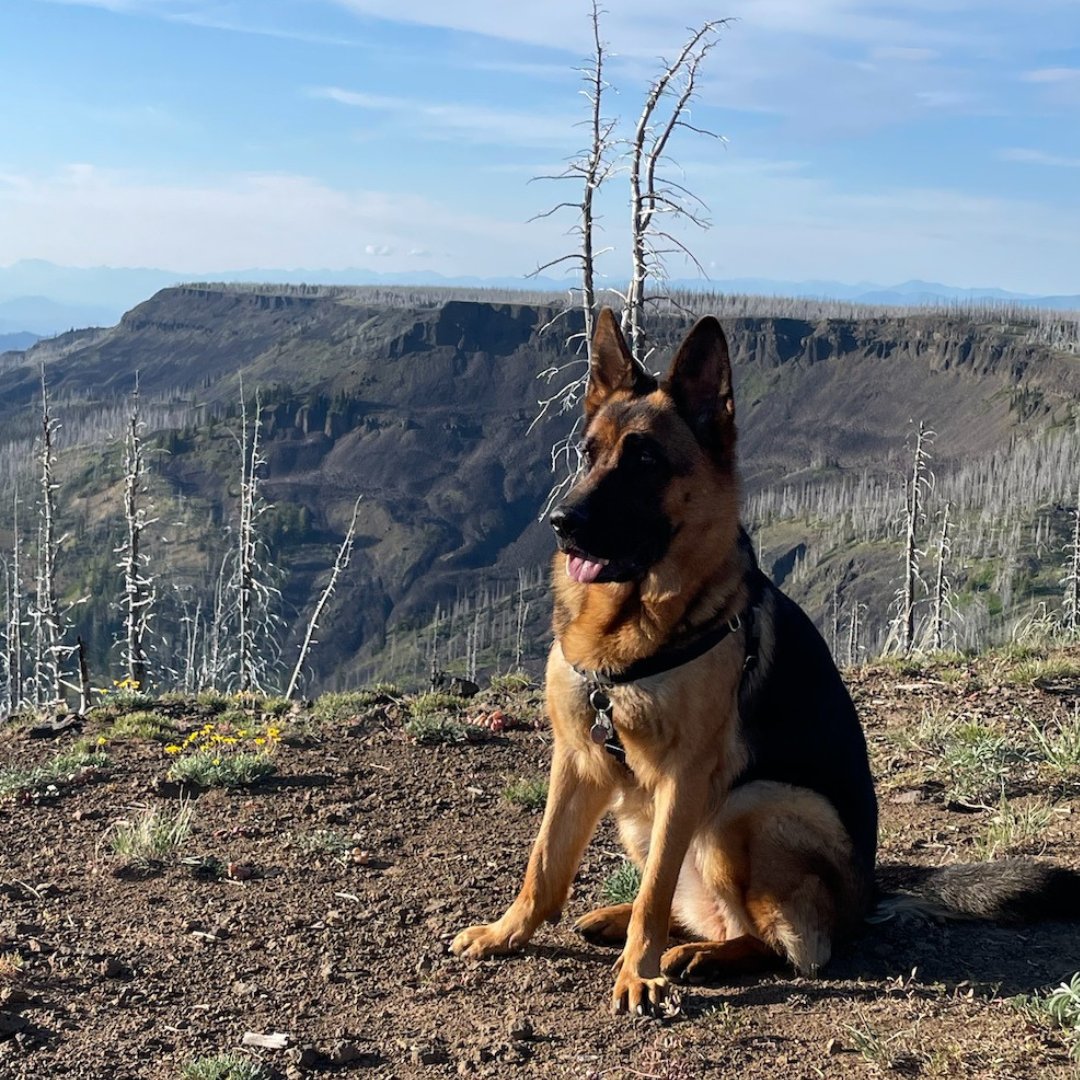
[[1010, 891]]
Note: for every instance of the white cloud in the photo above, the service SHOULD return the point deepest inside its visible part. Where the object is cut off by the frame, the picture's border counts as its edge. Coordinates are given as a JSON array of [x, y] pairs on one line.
[[1053, 75], [893, 53], [85, 215], [1038, 157], [475, 123]]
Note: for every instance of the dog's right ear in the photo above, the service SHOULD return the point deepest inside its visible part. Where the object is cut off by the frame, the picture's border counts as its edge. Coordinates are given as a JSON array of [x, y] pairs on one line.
[[613, 367]]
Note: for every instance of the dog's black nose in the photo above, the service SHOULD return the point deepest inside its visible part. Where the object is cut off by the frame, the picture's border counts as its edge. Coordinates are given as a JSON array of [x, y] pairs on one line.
[[566, 520]]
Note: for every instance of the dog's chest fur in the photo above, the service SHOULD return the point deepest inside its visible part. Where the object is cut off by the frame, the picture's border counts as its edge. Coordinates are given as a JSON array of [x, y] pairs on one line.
[[689, 714]]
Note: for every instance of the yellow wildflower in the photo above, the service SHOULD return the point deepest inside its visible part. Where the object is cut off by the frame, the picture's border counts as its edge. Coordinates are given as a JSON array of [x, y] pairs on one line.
[[173, 749]]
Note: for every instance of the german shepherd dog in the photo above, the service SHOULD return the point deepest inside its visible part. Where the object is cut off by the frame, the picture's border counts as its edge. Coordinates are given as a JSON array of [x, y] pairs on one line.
[[692, 697]]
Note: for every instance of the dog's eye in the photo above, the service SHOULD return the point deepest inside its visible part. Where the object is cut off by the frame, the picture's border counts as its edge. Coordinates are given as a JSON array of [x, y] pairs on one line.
[[587, 449], [640, 451]]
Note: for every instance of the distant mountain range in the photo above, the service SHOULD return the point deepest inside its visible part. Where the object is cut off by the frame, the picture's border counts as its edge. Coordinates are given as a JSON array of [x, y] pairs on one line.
[[42, 298]]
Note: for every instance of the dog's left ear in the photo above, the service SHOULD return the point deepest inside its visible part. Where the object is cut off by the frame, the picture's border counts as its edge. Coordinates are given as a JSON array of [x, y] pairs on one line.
[[613, 366], [700, 384]]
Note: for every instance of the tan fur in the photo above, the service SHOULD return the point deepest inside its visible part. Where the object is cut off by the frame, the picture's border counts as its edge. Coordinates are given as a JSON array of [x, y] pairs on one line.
[[764, 865]]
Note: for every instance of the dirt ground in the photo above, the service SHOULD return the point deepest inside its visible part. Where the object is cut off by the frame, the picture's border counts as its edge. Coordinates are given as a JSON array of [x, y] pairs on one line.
[[117, 973]]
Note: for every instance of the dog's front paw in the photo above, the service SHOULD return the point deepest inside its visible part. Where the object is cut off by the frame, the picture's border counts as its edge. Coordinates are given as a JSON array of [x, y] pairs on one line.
[[638, 995], [489, 939]]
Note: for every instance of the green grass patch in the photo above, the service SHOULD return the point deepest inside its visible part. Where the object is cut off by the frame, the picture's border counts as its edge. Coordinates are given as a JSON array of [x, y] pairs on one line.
[[329, 842], [59, 773], [1049, 669], [528, 793], [975, 764], [151, 835], [1014, 826], [141, 724], [217, 767], [512, 682], [1058, 1011], [212, 702], [346, 705], [622, 884], [1058, 744], [433, 730], [223, 1067], [434, 702]]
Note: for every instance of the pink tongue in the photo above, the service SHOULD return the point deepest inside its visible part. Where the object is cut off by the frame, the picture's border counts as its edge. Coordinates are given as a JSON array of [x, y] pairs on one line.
[[583, 570]]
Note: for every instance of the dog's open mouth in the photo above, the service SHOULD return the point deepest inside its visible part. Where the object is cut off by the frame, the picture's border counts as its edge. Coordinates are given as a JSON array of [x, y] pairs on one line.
[[590, 569]]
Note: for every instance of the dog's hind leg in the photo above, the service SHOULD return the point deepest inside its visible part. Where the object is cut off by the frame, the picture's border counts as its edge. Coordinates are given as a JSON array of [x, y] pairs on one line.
[[780, 862], [705, 961], [608, 925]]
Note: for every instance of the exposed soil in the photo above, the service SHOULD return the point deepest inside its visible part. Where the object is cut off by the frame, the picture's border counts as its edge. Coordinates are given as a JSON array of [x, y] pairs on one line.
[[129, 975]]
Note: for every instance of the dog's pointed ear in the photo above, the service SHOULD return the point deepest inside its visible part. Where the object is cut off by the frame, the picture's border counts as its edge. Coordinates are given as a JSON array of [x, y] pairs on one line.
[[612, 366], [700, 384]]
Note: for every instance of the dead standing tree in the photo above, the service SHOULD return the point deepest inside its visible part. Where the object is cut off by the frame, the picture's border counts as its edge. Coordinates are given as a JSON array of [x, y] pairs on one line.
[[340, 563], [1071, 623], [902, 633], [48, 620], [252, 594], [651, 196], [591, 168], [942, 587], [138, 596], [15, 615]]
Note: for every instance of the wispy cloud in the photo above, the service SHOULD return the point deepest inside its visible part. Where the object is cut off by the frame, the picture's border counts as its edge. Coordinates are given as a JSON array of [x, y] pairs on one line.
[[125, 219], [1056, 75], [1038, 157], [211, 16], [475, 123]]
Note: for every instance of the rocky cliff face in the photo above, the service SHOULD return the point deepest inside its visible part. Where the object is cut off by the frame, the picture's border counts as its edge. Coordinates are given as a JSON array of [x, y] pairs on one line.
[[426, 414]]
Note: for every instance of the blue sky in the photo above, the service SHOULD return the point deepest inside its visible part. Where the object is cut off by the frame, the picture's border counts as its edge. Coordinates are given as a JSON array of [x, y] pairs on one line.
[[865, 140]]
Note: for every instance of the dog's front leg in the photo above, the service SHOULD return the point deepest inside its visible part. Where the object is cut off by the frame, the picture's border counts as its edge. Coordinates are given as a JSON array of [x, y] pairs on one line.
[[574, 805], [678, 805]]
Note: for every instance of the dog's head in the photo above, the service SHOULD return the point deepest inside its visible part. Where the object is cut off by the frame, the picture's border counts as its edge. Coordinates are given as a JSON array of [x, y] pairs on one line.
[[658, 456]]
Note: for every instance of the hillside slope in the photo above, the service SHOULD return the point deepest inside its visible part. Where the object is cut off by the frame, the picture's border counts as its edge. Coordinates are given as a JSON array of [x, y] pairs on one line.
[[425, 412]]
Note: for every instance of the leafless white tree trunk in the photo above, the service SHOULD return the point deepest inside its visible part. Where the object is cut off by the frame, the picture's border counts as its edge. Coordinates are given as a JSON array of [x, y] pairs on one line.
[[650, 195], [941, 587], [48, 621], [340, 563], [590, 168], [1072, 577], [250, 592], [15, 615], [138, 596], [902, 630]]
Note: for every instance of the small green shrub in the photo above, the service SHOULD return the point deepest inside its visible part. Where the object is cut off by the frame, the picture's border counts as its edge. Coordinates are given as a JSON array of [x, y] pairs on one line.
[[142, 724], [622, 884], [338, 708], [61, 771], [214, 767], [434, 702], [223, 1067], [529, 793], [513, 682], [151, 835], [212, 701], [330, 842], [432, 730], [1059, 1010]]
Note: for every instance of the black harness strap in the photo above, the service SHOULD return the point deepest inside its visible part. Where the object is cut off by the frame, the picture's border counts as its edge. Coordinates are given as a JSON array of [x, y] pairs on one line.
[[603, 729]]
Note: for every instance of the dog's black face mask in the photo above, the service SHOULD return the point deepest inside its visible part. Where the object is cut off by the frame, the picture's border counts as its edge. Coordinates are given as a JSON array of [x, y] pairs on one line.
[[613, 526]]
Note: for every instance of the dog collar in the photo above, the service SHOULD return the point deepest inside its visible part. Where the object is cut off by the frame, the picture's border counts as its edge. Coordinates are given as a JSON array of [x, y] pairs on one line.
[[669, 659], [603, 730]]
